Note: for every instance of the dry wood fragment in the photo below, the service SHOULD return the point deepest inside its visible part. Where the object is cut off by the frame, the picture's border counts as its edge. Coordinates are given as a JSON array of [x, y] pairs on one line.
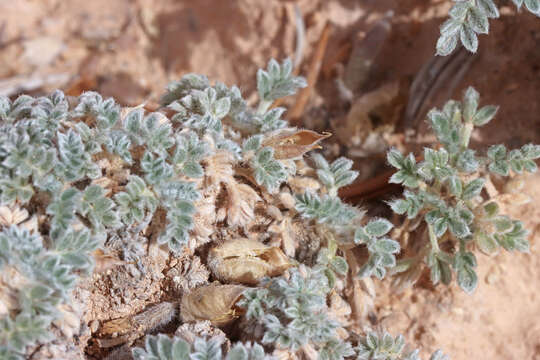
[[312, 77]]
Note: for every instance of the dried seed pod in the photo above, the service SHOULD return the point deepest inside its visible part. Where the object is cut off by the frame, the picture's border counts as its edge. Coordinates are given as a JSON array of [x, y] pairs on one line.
[[293, 143], [12, 215], [214, 302], [246, 261]]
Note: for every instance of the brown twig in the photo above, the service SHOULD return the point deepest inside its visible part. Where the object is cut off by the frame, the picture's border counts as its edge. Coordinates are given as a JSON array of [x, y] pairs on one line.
[[313, 75]]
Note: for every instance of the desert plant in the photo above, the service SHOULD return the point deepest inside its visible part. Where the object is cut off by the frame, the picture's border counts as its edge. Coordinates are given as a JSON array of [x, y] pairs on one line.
[[446, 191], [468, 18], [86, 174]]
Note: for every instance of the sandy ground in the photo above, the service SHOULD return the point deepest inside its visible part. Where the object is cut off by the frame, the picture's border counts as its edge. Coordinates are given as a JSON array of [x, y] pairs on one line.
[[131, 49]]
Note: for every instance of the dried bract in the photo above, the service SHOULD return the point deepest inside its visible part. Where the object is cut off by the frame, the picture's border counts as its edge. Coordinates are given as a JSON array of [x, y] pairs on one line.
[[246, 261]]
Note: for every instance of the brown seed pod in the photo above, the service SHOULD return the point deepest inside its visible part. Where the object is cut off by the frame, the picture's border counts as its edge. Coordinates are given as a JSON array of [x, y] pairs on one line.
[[293, 143], [246, 261], [214, 302]]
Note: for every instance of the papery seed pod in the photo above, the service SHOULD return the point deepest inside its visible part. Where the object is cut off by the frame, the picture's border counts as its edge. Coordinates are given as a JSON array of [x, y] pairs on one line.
[[293, 143], [214, 302], [246, 261]]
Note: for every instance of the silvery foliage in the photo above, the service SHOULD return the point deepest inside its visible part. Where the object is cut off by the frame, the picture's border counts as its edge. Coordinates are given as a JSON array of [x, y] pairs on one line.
[[335, 175], [51, 151], [383, 346], [330, 210], [203, 108], [382, 249], [162, 347], [468, 18], [293, 311], [49, 274], [445, 189], [325, 209]]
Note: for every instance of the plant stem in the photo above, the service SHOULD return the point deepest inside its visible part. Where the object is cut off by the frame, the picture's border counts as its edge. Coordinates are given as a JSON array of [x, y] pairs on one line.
[[433, 239], [466, 135], [263, 107]]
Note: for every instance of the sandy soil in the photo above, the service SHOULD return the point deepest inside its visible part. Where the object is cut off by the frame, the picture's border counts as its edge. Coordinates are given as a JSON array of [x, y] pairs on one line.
[[131, 49]]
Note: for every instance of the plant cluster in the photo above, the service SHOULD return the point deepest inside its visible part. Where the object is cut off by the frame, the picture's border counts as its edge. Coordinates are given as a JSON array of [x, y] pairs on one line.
[[468, 18], [445, 191], [57, 159], [162, 347]]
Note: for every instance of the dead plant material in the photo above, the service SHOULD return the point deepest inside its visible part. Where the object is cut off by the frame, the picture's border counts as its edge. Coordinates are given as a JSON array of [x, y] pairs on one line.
[[246, 261], [357, 125], [130, 328], [364, 52], [214, 302], [312, 77], [105, 262], [289, 144], [240, 203]]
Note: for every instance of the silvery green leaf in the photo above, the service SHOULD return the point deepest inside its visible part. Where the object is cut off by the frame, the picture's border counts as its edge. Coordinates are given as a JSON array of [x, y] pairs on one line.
[[395, 158], [193, 170], [531, 151], [499, 167], [468, 38], [450, 27], [387, 246], [439, 355], [269, 172], [277, 81], [458, 228], [324, 209], [361, 236], [464, 264], [378, 227], [533, 6], [399, 206], [491, 209], [485, 114], [488, 7], [459, 10], [455, 186], [339, 265], [470, 103], [485, 242], [221, 107], [478, 20], [440, 225], [467, 161], [473, 188], [515, 239], [497, 152]]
